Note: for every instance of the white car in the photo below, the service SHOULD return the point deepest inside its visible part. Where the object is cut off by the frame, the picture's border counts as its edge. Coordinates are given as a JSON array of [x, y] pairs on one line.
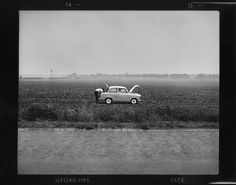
[[116, 94]]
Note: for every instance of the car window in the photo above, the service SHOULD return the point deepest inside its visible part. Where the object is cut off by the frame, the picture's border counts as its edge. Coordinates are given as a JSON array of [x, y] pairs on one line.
[[113, 90], [121, 90]]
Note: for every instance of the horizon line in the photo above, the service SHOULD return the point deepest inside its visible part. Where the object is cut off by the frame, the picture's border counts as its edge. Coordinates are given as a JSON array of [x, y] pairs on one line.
[[118, 74]]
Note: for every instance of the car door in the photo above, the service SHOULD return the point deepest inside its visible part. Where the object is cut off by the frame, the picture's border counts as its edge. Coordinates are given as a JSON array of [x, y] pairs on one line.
[[113, 93], [123, 95]]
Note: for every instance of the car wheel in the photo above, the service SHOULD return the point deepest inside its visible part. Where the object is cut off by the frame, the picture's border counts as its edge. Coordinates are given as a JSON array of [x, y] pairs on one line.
[[133, 101], [108, 101]]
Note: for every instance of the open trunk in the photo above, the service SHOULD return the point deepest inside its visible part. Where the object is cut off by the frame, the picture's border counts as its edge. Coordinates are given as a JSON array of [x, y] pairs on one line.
[[131, 90]]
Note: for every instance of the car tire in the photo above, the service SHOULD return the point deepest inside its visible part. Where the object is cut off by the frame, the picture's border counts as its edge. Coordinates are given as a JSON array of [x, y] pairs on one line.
[[108, 101], [133, 101]]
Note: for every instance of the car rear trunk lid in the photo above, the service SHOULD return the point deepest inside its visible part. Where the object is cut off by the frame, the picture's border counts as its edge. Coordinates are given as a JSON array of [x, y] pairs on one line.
[[131, 90]]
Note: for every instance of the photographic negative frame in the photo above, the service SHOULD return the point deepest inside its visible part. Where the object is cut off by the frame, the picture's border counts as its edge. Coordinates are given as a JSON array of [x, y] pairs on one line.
[[9, 96]]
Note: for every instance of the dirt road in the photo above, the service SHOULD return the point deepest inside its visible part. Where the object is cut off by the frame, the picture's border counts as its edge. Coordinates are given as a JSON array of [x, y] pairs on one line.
[[71, 151]]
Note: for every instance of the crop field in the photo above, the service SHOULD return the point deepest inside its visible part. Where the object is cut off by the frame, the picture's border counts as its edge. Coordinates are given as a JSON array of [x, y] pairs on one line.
[[168, 102]]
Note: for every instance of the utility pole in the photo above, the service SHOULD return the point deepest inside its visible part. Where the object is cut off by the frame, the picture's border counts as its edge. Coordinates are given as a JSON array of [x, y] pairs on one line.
[[51, 74]]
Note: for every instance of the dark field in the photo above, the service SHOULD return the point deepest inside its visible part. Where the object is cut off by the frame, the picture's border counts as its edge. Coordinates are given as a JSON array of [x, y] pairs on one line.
[[166, 104]]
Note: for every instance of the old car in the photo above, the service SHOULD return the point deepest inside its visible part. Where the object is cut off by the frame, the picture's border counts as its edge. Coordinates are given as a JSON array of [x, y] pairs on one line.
[[115, 94]]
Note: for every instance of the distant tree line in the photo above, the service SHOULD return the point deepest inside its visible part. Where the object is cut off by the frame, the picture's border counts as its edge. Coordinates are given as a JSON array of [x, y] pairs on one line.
[[158, 76], [179, 76], [207, 76]]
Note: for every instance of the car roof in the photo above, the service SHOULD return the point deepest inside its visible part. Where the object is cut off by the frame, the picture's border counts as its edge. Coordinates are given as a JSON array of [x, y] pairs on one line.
[[116, 86]]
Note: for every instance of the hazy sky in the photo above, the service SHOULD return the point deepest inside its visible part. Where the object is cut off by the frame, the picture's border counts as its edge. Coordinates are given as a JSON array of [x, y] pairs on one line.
[[118, 42]]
